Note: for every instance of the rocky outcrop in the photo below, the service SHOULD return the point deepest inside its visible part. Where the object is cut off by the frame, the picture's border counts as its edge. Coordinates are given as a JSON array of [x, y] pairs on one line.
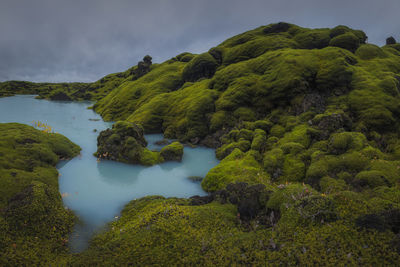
[[390, 41], [172, 152], [125, 142], [143, 67]]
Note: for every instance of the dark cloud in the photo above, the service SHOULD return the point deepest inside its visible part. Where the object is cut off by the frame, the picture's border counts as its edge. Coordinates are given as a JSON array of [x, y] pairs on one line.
[[82, 40]]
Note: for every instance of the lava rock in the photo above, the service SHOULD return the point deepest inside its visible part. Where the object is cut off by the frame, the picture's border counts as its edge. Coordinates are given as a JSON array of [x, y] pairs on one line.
[[390, 41], [124, 142], [277, 28]]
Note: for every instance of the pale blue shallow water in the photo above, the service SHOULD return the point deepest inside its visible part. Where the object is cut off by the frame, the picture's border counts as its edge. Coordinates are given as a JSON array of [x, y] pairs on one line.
[[97, 191]]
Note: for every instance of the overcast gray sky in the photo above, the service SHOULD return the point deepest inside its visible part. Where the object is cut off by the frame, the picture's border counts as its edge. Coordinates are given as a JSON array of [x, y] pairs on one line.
[[83, 40]]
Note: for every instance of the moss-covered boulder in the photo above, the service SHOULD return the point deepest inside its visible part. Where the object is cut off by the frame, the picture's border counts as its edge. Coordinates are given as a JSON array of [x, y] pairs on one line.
[[172, 152], [125, 142]]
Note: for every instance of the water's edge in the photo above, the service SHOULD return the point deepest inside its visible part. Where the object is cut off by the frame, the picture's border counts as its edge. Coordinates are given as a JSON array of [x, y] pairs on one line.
[[97, 191]]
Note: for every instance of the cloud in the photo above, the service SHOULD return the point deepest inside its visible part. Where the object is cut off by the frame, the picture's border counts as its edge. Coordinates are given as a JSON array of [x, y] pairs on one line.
[[55, 40]]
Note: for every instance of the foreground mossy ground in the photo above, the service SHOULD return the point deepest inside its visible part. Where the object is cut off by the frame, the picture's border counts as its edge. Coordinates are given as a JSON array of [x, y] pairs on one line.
[[312, 115], [34, 225]]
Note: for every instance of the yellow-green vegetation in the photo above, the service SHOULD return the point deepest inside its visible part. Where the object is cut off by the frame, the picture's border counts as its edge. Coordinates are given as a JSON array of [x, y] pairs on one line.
[[312, 230], [307, 118], [173, 151], [34, 225]]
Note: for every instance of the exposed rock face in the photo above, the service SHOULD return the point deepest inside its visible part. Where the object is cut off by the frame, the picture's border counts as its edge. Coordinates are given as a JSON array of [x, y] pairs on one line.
[[312, 101], [124, 142], [60, 96], [390, 41], [172, 152], [143, 67], [214, 140]]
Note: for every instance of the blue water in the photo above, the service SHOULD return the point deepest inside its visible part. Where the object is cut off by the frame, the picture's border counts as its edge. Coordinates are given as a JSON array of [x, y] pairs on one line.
[[97, 191]]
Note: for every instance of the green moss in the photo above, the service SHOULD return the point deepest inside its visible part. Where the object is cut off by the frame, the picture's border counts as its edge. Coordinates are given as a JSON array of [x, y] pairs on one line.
[[299, 134], [173, 151], [330, 185], [125, 142], [292, 104], [288, 194], [313, 39], [259, 140], [342, 142], [223, 151], [369, 51], [292, 148], [34, 223], [237, 167], [371, 178], [277, 131], [347, 41], [201, 66]]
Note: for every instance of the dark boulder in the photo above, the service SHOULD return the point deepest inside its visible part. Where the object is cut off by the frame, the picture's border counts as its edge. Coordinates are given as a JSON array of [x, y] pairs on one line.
[[277, 28], [124, 142], [143, 67], [390, 41], [314, 101]]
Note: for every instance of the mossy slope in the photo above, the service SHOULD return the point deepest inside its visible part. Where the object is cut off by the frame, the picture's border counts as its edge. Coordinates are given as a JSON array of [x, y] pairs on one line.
[[34, 225], [309, 115]]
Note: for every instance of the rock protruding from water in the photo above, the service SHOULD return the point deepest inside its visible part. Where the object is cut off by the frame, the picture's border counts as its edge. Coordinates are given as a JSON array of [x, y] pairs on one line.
[[172, 152], [125, 142]]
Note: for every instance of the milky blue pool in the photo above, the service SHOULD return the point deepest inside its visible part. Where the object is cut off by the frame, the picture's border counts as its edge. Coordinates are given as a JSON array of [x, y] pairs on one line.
[[97, 191]]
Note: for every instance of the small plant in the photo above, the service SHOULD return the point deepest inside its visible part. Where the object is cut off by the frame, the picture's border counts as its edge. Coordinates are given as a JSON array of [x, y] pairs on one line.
[[42, 127]]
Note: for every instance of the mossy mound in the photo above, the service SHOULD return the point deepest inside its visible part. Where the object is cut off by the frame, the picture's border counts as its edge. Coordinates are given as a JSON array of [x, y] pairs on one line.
[[34, 224], [172, 152], [125, 142]]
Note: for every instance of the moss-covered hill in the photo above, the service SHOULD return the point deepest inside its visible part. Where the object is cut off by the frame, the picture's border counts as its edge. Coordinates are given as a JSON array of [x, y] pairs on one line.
[[34, 225], [307, 118]]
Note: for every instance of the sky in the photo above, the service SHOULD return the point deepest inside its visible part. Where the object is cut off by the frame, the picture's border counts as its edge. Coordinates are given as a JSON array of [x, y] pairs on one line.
[[83, 40]]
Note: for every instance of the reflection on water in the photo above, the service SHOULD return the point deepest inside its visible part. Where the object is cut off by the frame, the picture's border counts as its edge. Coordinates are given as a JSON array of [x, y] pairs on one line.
[[97, 191]]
